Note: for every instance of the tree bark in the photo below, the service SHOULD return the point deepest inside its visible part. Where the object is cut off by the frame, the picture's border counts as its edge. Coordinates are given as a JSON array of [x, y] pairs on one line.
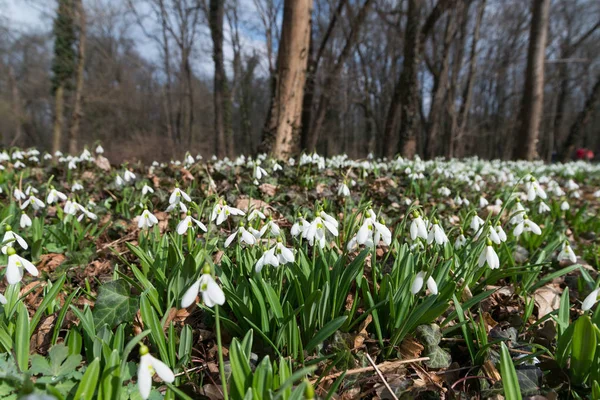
[[281, 135], [582, 119], [58, 118], [16, 106], [217, 13], [77, 106], [533, 95]]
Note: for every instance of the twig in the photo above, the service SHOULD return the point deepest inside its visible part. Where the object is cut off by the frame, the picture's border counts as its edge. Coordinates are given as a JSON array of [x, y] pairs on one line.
[[385, 365], [381, 376]]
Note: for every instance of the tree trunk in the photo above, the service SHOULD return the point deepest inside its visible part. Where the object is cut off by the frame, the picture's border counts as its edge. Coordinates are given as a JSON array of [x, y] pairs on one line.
[[582, 119], [217, 13], [332, 79], [58, 118], [281, 135], [533, 95], [77, 106], [16, 106]]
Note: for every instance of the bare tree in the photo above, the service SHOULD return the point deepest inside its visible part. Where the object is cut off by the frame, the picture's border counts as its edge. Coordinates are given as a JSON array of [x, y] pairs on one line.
[[282, 129], [533, 95]]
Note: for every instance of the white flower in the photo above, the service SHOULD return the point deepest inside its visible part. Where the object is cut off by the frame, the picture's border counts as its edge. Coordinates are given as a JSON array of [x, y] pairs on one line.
[[119, 181], [35, 203], [254, 214], [275, 256], [187, 223], [437, 233], [147, 189], [271, 227], [489, 256], [3, 299], [597, 193], [146, 370], [417, 284], [476, 223], [77, 187], [299, 227], [571, 185], [483, 202], [176, 196], [567, 254], [460, 241], [55, 195], [543, 208], [179, 204], [99, 149], [211, 292], [590, 300], [243, 237], [564, 205], [526, 226], [25, 221], [147, 219], [128, 176], [10, 238], [534, 189], [343, 190], [16, 266], [317, 228], [518, 213], [259, 172], [418, 227], [18, 195], [222, 211], [501, 233]]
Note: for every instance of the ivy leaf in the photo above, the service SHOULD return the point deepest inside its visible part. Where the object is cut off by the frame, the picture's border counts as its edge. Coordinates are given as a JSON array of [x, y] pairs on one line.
[[114, 304], [438, 358], [429, 335]]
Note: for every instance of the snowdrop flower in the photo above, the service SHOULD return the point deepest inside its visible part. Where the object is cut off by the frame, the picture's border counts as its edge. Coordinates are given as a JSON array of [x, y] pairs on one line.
[[10, 238], [3, 299], [300, 226], [177, 194], [72, 164], [209, 289], [119, 181], [18, 195], [493, 235], [437, 233], [77, 187], [418, 227], [259, 172], [31, 190], [317, 229], [597, 193], [567, 254], [270, 227], [564, 206], [277, 167], [25, 221], [275, 256], [444, 191], [36, 203], [526, 226], [147, 189], [460, 241], [483, 202], [222, 211], [147, 220], [500, 232], [55, 195], [489, 256], [343, 190], [256, 214], [518, 213], [146, 370], [16, 266], [534, 190], [243, 236], [543, 208], [418, 284], [187, 223], [571, 185], [128, 176], [590, 300], [99, 149], [476, 223], [19, 165]]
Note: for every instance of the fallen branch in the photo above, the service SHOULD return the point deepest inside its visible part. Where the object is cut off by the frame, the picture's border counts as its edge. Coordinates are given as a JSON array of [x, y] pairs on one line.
[[383, 366], [381, 376]]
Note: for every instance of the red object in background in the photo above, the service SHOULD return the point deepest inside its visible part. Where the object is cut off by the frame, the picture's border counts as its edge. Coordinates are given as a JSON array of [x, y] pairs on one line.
[[584, 154], [580, 154], [590, 155]]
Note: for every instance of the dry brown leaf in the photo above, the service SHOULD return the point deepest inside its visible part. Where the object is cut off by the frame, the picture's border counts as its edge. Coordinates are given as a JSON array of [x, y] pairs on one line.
[[49, 262], [547, 299], [411, 348], [42, 336], [187, 176], [268, 189], [102, 163], [490, 371]]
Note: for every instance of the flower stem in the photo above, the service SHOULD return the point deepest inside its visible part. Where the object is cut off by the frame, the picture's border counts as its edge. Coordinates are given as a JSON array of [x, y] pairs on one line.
[[220, 352]]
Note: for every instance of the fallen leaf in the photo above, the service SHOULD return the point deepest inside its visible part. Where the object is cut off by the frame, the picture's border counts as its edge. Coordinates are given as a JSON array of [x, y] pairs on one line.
[[547, 299]]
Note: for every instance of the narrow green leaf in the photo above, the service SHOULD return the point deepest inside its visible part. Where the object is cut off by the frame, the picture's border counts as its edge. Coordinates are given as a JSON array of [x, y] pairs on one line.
[[510, 382]]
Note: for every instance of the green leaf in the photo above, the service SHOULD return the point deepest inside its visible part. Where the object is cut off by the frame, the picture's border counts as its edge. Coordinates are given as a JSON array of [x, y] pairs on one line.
[[512, 391], [324, 333], [583, 348], [59, 362], [88, 384], [114, 304], [22, 337]]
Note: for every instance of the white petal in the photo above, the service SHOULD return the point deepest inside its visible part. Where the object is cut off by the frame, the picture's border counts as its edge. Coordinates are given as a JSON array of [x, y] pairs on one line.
[[145, 377], [162, 370], [215, 292], [182, 227], [417, 283], [190, 295], [590, 300], [230, 238], [432, 286]]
